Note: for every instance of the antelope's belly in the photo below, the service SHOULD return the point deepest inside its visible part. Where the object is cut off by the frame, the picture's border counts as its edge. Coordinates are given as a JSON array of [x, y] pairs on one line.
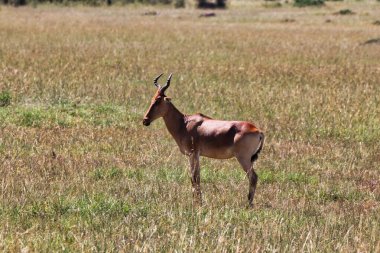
[[217, 152]]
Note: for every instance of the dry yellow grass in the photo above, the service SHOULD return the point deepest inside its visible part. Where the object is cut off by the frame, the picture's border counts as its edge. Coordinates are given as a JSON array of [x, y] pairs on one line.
[[80, 173]]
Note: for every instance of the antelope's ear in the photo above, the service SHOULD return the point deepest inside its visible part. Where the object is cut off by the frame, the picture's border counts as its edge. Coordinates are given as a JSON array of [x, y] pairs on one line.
[[167, 99]]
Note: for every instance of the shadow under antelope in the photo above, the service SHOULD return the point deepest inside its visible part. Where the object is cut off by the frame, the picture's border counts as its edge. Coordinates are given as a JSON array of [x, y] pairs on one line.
[[198, 135]]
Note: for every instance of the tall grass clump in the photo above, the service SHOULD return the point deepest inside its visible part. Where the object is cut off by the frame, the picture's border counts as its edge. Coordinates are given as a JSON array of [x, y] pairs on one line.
[[5, 98], [180, 3]]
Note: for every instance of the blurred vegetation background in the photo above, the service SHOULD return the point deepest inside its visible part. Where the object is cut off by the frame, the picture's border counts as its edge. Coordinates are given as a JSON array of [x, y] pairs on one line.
[[177, 3]]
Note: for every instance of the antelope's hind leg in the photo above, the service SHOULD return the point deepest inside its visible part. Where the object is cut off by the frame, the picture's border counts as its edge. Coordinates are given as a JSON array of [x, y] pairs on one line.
[[195, 177], [247, 165]]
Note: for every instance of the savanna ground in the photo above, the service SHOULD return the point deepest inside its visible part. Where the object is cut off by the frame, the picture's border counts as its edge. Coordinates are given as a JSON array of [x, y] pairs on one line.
[[79, 172]]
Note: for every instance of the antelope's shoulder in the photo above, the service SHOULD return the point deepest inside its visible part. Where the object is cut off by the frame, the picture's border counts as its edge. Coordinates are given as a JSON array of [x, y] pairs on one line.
[[198, 117], [196, 120]]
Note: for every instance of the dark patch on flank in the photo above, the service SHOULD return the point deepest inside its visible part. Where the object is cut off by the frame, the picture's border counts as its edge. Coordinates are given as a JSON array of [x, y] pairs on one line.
[[256, 155]]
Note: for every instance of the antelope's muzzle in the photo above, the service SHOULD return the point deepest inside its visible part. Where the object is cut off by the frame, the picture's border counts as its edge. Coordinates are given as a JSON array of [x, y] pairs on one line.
[[146, 122]]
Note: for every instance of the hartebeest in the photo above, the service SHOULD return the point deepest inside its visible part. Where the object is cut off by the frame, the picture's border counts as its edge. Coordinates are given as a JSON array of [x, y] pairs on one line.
[[198, 135]]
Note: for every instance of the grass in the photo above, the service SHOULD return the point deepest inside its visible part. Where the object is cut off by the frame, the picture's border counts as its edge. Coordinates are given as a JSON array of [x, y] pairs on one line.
[[5, 98], [80, 173]]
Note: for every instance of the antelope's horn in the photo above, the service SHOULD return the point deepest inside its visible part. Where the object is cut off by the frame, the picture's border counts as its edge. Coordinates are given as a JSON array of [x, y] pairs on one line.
[[167, 83], [156, 79]]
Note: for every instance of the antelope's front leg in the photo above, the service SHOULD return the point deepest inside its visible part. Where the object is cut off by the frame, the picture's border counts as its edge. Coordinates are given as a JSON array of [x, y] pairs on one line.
[[195, 176]]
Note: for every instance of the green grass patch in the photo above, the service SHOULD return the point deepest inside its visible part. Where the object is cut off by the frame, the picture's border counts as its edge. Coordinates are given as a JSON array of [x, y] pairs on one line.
[[172, 175], [66, 116], [212, 175], [107, 173], [268, 176], [84, 206], [335, 194], [5, 98], [135, 174], [31, 118]]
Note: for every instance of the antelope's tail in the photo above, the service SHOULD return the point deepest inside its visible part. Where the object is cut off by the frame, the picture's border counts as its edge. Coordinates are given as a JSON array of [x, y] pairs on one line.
[[255, 156]]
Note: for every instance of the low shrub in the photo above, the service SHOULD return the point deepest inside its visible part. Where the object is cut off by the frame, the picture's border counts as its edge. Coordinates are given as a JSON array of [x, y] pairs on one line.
[[303, 3], [272, 5], [345, 12]]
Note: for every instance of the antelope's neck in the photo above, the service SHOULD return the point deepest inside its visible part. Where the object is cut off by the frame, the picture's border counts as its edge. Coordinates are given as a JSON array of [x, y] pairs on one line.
[[175, 123]]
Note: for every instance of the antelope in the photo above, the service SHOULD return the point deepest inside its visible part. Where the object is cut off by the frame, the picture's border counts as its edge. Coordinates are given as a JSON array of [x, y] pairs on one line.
[[198, 135]]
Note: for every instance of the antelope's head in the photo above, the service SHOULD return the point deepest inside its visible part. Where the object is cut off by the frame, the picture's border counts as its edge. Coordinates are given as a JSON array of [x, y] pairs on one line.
[[159, 105]]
